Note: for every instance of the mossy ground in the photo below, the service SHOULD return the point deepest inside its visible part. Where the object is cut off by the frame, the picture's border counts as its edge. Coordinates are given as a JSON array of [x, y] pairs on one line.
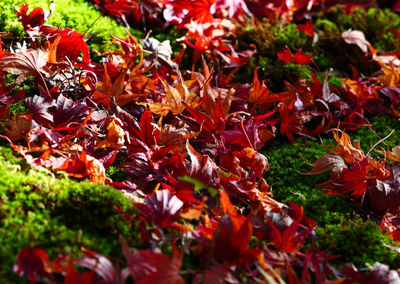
[[56, 213], [61, 215], [343, 225]]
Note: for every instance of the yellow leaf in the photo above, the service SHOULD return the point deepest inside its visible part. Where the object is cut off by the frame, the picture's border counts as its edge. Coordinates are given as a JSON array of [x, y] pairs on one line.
[[390, 76]]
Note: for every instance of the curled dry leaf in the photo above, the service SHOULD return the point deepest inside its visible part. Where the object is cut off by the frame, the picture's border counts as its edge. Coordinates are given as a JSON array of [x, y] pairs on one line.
[[18, 127], [351, 154], [327, 162], [175, 98], [393, 155], [356, 37]]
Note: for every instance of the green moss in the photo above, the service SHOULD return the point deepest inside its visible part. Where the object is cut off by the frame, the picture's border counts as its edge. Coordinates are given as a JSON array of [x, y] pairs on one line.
[[57, 214], [272, 36], [116, 174], [288, 35], [329, 27], [286, 163], [382, 126], [330, 49], [358, 242], [375, 23], [17, 108]]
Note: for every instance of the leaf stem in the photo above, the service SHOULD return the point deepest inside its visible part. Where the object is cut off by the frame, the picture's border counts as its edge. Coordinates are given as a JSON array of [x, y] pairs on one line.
[[45, 85], [380, 141]]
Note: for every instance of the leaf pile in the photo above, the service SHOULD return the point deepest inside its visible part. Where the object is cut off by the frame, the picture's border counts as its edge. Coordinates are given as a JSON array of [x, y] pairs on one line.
[[189, 141]]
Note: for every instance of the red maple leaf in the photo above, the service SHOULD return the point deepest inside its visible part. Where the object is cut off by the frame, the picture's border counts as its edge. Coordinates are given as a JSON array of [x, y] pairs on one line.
[[307, 28], [291, 121], [192, 10], [35, 18], [299, 58], [160, 208], [288, 233], [353, 180], [70, 44], [34, 263]]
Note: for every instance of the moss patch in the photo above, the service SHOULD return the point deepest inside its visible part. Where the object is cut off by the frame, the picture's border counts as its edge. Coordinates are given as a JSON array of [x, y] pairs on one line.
[[57, 214], [342, 225]]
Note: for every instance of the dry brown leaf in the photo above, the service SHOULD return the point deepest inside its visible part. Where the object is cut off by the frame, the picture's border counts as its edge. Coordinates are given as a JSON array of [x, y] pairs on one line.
[[333, 163]]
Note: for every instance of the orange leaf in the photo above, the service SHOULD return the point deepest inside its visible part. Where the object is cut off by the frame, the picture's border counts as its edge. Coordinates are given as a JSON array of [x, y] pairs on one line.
[[83, 165], [115, 137], [351, 154], [109, 90], [53, 50], [390, 76], [226, 204], [393, 155], [173, 98], [18, 127]]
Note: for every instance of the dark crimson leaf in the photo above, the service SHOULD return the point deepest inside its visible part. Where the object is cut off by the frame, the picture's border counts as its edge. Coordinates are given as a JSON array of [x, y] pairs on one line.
[[202, 119], [160, 208], [380, 273], [385, 194], [201, 167], [291, 121], [39, 107], [146, 128], [218, 274], [151, 267], [236, 249], [33, 263], [66, 111], [103, 267], [47, 134], [35, 18]]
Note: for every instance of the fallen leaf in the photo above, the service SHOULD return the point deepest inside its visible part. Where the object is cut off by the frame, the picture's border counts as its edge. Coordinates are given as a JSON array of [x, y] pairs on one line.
[[333, 163], [115, 137], [356, 37], [24, 63]]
